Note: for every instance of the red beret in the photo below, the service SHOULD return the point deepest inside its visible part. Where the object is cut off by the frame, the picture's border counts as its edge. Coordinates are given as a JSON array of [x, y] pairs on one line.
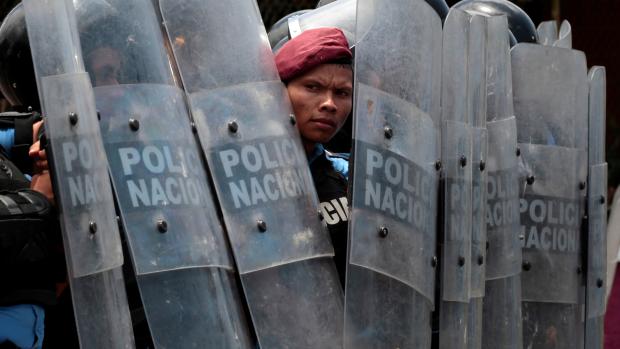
[[311, 48]]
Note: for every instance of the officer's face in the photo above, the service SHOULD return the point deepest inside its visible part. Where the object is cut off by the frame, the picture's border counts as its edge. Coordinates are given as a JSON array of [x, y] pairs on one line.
[[105, 65], [322, 100]]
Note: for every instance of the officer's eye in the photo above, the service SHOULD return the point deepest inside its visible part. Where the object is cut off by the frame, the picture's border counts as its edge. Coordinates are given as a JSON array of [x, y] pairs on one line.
[[312, 87], [343, 93]]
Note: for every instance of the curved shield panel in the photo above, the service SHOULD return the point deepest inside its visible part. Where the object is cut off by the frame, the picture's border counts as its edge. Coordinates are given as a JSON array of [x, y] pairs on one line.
[[161, 185], [504, 252], [390, 276], [79, 165], [339, 14], [177, 244], [81, 184], [260, 171], [550, 89]]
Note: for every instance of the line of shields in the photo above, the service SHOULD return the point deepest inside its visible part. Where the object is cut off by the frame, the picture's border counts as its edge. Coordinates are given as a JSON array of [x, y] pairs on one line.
[[477, 202]]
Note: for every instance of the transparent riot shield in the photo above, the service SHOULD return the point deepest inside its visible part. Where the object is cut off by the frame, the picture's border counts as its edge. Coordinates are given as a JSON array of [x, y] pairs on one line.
[[79, 169], [392, 235], [178, 248], [463, 104], [261, 175], [502, 298], [476, 94], [597, 212], [550, 89], [340, 14]]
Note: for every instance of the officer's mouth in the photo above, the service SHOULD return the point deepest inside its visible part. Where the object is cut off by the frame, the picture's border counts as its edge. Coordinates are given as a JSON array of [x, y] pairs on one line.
[[324, 123]]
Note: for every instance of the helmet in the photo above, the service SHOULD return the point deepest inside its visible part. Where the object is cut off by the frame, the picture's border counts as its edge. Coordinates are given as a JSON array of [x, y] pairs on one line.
[[17, 79], [439, 6], [522, 29], [279, 31]]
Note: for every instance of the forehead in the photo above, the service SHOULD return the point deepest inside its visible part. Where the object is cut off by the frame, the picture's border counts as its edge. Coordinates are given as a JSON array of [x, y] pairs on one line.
[[331, 72]]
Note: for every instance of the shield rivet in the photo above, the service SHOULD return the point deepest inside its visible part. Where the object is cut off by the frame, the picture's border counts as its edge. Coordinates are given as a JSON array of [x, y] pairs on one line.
[[483, 165], [480, 260], [388, 132], [527, 265], [434, 261], [134, 124], [521, 237], [29, 109], [292, 119], [437, 165], [530, 179], [518, 151], [262, 225], [233, 127], [602, 199], [194, 128], [383, 232], [92, 227], [320, 213], [463, 161], [73, 118], [162, 226], [461, 261], [582, 185], [599, 282]]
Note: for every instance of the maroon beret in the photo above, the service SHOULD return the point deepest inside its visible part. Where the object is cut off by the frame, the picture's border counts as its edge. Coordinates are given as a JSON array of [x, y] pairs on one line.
[[311, 48]]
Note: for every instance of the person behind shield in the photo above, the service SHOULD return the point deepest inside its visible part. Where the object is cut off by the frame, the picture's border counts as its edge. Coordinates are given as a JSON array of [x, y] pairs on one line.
[[316, 67]]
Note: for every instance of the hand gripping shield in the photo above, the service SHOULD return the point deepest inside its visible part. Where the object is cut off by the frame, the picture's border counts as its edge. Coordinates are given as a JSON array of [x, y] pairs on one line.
[[177, 245], [261, 175], [502, 298], [550, 89], [79, 168], [390, 276]]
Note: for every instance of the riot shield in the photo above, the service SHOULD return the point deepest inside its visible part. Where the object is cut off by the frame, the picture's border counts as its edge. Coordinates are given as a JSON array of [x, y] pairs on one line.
[[339, 14], [476, 94], [392, 235], [597, 212], [550, 89], [463, 103], [79, 169], [502, 299], [261, 175], [177, 245]]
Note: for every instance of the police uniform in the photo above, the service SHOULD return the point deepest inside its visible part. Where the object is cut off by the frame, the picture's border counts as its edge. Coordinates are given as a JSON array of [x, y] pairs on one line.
[[330, 174]]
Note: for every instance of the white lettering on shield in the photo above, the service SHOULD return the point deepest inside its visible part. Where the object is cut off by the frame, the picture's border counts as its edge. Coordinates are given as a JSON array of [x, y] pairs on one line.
[[395, 188], [264, 172], [82, 182], [162, 175], [549, 224]]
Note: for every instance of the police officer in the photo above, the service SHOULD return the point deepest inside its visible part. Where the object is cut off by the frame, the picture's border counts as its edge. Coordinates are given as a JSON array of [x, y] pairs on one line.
[[316, 67]]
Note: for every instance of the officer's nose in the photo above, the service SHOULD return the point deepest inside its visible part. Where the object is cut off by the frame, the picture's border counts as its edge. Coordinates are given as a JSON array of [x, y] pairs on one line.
[[328, 103]]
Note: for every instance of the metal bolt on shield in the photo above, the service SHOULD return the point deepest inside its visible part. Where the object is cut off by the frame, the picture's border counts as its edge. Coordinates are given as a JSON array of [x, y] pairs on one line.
[[383, 232], [262, 225], [73, 118], [388, 132], [162, 226], [134, 124], [92, 227], [233, 127]]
